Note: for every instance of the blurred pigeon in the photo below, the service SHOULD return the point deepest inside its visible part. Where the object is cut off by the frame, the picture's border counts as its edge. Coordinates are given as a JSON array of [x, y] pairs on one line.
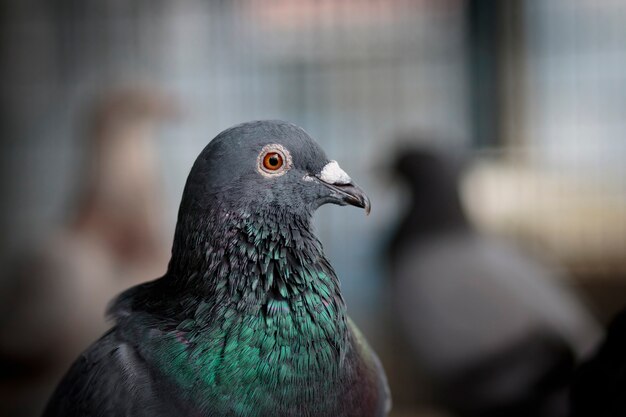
[[599, 385], [248, 319], [493, 329], [53, 294]]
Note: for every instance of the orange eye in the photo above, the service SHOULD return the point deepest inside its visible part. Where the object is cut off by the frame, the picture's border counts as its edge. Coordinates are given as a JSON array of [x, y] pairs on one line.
[[272, 161]]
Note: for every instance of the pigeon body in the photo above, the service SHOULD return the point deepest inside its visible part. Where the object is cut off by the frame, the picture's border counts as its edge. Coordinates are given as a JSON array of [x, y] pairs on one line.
[[249, 319], [492, 328]]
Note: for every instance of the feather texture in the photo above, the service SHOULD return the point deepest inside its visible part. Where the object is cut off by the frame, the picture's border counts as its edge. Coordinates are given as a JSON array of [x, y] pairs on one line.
[[248, 321]]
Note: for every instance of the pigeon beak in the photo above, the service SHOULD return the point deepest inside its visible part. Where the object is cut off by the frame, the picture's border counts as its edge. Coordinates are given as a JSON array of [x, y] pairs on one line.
[[352, 194], [345, 191]]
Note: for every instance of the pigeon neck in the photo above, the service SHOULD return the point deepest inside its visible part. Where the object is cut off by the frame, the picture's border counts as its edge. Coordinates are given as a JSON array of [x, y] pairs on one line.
[[261, 258]]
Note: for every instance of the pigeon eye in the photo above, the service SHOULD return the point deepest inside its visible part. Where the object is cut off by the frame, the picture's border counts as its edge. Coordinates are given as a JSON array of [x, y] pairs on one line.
[[274, 160]]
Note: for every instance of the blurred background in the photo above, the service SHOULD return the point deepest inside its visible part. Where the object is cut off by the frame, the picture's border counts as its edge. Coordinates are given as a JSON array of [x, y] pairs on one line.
[[106, 104]]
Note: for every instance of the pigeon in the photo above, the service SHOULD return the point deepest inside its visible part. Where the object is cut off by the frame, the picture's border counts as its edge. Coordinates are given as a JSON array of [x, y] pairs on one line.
[[109, 239], [492, 328], [599, 384], [248, 319]]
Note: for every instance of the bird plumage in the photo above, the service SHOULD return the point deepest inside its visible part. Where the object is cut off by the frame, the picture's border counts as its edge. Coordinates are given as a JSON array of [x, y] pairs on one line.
[[494, 329], [249, 319]]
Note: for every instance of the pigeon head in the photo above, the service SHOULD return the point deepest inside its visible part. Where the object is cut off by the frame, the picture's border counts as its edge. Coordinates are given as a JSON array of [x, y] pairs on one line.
[[426, 169], [267, 166], [432, 174], [432, 177]]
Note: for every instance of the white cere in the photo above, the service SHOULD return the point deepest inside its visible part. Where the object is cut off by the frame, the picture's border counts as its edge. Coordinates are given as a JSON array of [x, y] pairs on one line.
[[333, 174]]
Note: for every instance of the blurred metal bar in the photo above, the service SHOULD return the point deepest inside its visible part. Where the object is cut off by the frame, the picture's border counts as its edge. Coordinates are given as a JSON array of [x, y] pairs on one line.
[[483, 71], [495, 71]]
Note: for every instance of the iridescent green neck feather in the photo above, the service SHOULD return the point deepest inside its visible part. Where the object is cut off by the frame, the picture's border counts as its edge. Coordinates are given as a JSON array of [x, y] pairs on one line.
[[265, 317]]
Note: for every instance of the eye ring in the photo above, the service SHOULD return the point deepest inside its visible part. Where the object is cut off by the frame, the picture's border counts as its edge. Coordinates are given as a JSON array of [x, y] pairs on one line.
[[273, 160]]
